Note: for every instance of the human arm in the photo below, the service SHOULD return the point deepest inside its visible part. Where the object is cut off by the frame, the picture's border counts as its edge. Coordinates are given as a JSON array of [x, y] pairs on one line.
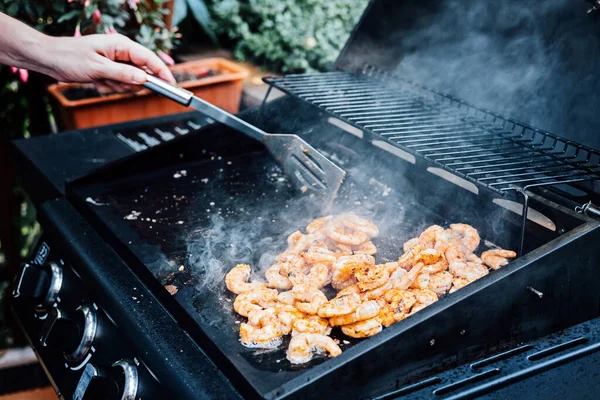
[[92, 58]]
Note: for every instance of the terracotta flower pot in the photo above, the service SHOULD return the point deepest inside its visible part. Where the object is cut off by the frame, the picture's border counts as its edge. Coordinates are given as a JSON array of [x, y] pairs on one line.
[[223, 90]]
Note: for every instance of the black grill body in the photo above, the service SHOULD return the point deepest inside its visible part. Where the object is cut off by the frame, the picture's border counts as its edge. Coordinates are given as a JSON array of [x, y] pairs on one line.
[[440, 160]]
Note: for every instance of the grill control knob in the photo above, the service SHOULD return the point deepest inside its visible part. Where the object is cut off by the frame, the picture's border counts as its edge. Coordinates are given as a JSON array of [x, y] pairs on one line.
[[117, 382], [70, 332], [39, 284]]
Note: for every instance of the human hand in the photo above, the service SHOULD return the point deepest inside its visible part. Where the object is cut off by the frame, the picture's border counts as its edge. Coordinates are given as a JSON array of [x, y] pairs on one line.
[[95, 58]]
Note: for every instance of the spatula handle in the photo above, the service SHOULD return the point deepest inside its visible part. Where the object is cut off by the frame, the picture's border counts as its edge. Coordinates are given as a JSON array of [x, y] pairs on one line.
[[188, 99], [181, 96]]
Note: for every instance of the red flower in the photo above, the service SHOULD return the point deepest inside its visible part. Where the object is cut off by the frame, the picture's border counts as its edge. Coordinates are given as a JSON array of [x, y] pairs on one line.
[[97, 16]]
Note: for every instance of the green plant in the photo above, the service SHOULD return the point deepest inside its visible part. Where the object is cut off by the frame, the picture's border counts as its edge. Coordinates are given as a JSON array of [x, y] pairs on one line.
[[286, 35], [139, 19], [200, 13]]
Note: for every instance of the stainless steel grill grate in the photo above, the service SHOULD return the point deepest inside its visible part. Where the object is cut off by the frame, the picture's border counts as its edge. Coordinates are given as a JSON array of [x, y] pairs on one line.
[[491, 151]]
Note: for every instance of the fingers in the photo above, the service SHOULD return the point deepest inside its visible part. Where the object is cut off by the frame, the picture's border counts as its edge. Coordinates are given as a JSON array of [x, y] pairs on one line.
[[129, 51], [119, 72], [106, 86]]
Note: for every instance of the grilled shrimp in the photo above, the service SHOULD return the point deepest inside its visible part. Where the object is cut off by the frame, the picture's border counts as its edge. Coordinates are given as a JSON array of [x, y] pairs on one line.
[[349, 290], [366, 310], [372, 276], [276, 279], [341, 305], [468, 270], [311, 324], [304, 345], [318, 224], [459, 283], [360, 224], [395, 306], [474, 259], [421, 282], [425, 297], [429, 236], [308, 299], [363, 329], [340, 233], [319, 253], [440, 282], [287, 315], [256, 299], [318, 277], [262, 330], [407, 260], [298, 242], [365, 248], [236, 280], [344, 269], [466, 235], [407, 280], [376, 293], [409, 244], [497, 258], [433, 261]]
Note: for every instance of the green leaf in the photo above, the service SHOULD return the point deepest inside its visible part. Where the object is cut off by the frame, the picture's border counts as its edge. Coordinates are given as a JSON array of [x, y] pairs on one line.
[[13, 9], [180, 11], [202, 16], [69, 16]]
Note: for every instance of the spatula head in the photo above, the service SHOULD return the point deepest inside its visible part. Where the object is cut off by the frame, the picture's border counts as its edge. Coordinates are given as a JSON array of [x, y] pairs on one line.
[[311, 171]]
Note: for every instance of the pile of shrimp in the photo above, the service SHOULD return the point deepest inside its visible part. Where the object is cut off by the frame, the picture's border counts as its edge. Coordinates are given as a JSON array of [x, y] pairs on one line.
[[337, 251]]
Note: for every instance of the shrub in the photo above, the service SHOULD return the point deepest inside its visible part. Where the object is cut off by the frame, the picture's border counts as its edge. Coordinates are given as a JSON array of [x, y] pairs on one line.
[[287, 36]]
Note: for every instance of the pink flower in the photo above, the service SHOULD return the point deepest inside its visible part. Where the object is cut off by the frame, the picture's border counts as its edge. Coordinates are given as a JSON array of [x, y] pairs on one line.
[[165, 57], [110, 30], [77, 31], [97, 16], [86, 3], [23, 73], [133, 4]]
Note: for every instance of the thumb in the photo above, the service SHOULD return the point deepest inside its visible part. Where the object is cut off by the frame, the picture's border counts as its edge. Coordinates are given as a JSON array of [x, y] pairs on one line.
[[122, 73]]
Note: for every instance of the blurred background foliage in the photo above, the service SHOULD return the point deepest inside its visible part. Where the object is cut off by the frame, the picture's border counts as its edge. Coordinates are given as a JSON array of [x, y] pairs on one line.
[[288, 36]]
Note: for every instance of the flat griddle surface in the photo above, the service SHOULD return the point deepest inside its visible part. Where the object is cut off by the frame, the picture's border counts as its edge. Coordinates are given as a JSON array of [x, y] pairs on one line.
[[189, 224]]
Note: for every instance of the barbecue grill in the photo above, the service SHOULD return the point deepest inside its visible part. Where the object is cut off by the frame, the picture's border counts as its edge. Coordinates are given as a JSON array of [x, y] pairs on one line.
[[181, 209]]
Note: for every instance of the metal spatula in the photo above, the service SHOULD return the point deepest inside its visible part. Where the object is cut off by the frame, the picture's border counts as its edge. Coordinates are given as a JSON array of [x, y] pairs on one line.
[[309, 169]]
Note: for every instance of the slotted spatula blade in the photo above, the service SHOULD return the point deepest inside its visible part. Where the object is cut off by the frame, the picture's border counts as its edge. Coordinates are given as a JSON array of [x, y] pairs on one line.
[[310, 170]]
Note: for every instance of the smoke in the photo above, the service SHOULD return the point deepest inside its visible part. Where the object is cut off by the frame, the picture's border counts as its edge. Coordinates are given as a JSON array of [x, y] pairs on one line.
[[534, 61]]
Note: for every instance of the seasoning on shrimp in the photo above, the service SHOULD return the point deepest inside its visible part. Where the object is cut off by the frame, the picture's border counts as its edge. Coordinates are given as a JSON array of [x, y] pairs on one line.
[[341, 233], [318, 277], [440, 282], [497, 258], [236, 280], [366, 310], [256, 299], [311, 324], [345, 268], [363, 329], [262, 330], [304, 345], [340, 306], [372, 276]]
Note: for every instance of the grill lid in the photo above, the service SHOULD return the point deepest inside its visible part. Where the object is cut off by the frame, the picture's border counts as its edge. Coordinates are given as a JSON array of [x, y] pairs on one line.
[[537, 62]]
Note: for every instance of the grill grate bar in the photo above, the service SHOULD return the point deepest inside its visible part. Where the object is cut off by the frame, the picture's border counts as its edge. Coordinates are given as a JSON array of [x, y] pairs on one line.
[[495, 153]]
